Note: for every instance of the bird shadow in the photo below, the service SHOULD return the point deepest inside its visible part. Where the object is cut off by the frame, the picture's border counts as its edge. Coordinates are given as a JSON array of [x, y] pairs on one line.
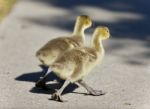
[[51, 87], [35, 76]]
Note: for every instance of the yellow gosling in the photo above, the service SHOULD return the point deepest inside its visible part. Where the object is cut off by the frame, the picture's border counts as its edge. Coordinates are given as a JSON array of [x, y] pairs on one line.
[[55, 47], [49, 52], [75, 64]]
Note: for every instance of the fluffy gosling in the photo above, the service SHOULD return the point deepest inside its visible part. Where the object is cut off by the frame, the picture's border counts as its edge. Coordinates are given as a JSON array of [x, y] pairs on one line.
[[75, 64], [55, 47]]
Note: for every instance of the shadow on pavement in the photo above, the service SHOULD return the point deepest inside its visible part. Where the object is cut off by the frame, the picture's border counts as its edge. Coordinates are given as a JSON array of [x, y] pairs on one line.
[[123, 28], [34, 77], [53, 87]]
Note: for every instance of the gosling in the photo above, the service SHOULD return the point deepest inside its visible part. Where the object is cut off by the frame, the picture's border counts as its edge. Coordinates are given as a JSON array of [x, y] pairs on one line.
[[55, 47], [75, 64]]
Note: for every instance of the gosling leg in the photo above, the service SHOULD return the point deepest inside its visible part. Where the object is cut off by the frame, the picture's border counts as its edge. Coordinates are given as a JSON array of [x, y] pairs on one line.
[[42, 81], [90, 90], [57, 96]]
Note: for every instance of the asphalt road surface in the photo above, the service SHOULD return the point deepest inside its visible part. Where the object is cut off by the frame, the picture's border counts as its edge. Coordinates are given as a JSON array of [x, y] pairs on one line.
[[124, 73]]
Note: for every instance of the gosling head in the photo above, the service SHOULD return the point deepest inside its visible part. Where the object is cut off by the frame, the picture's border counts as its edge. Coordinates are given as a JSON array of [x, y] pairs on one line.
[[84, 21], [102, 33]]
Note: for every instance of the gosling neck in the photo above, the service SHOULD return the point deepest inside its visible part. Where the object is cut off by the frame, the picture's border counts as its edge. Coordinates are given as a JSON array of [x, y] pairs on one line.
[[97, 44], [79, 30]]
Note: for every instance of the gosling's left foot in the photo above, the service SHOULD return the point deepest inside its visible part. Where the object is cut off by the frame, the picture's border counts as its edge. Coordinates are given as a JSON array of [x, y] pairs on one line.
[[57, 97], [97, 92]]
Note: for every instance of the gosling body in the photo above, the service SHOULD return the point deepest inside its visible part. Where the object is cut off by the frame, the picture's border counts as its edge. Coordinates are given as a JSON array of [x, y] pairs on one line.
[[76, 63], [51, 51]]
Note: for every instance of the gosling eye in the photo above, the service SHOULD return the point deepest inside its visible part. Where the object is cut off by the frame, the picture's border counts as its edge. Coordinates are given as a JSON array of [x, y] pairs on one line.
[[107, 31]]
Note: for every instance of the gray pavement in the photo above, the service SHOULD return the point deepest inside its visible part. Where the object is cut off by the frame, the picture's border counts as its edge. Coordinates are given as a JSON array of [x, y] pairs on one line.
[[124, 73]]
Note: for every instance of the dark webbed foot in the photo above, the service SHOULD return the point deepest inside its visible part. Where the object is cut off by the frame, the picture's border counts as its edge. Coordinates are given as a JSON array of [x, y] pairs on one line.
[[57, 97], [96, 92], [41, 83]]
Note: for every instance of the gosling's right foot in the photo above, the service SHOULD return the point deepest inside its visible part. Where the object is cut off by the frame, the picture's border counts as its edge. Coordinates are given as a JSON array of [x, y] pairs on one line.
[[41, 83]]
